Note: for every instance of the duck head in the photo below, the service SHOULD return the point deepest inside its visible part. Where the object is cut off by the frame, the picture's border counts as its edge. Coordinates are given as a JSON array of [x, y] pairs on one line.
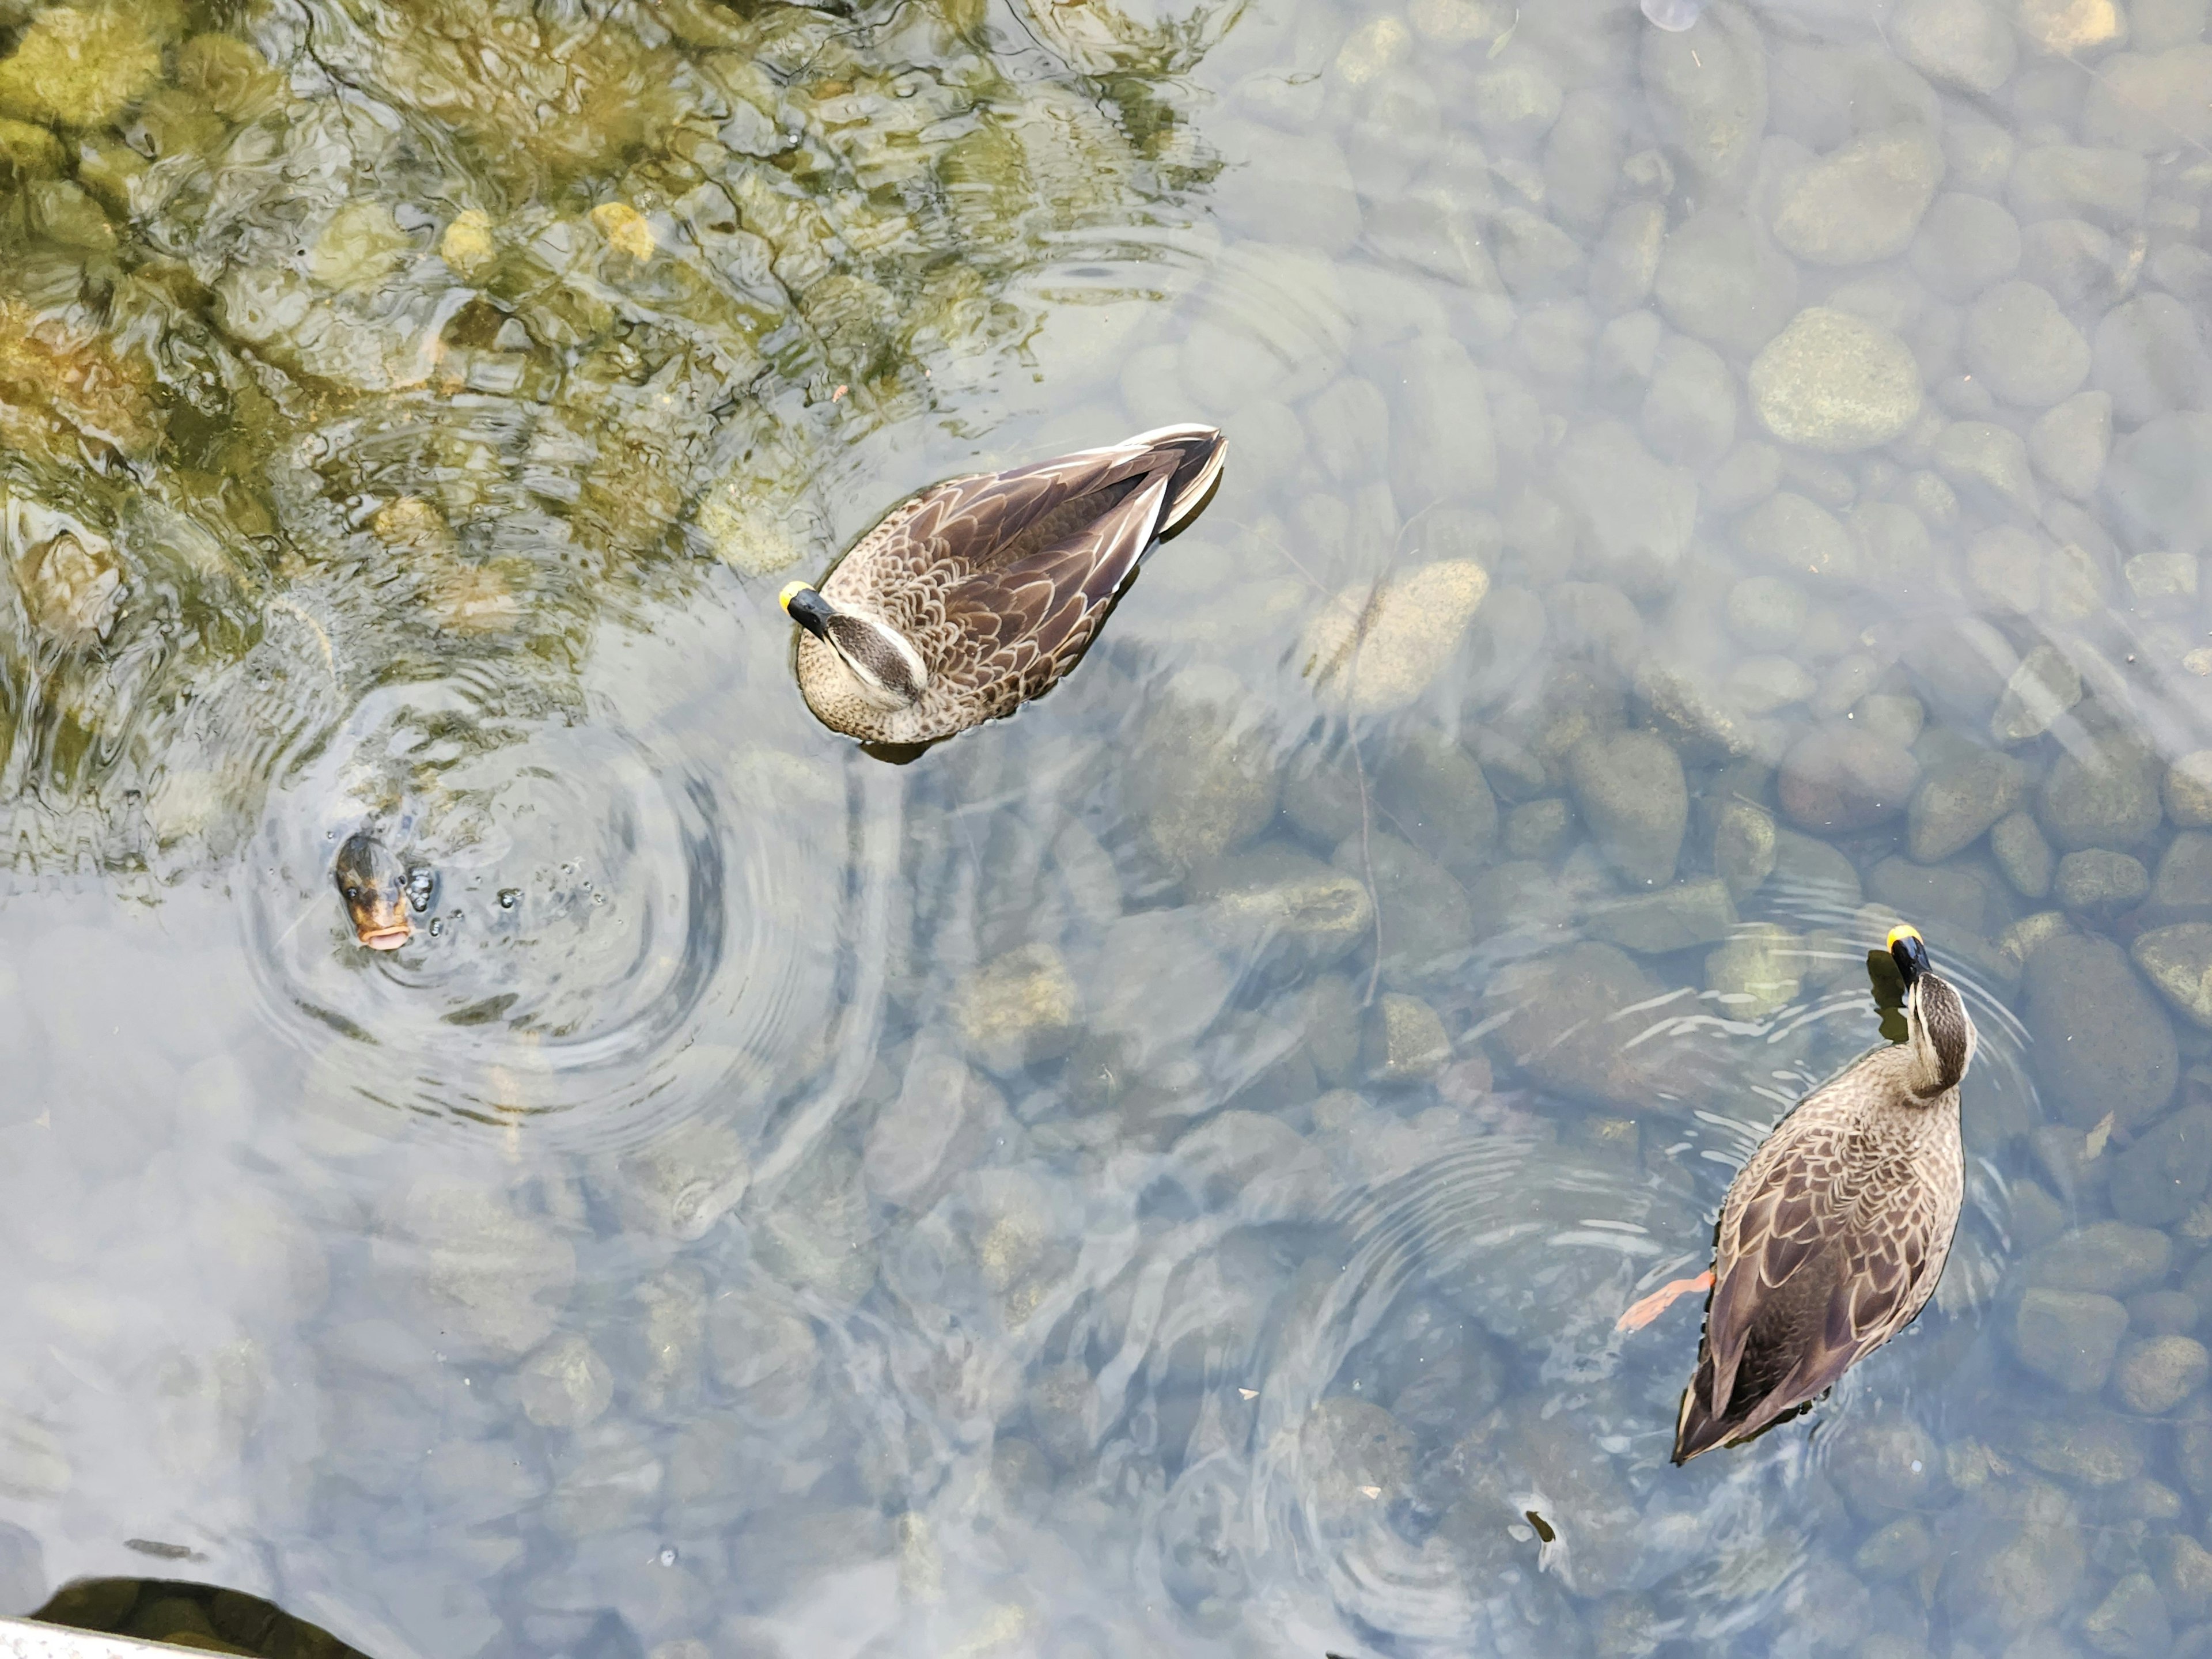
[[889, 670], [373, 884], [1938, 1028]]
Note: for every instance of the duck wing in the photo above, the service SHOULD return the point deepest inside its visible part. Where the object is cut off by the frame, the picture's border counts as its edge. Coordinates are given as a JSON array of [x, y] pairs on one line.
[[1817, 1265]]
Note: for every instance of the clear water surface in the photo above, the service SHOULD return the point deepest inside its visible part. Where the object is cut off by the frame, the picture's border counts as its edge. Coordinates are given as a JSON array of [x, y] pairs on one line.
[[1157, 1175]]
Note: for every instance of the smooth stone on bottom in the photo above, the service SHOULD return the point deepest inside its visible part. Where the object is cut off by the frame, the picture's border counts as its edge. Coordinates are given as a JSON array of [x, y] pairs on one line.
[[2156, 1376], [1631, 793], [2022, 855], [1675, 918], [1841, 778], [1835, 382], [2114, 1258], [1018, 1009], [2187, 790], [1562, 1025], [1959, 801], [2104, 794], [2132, 1621], [2178, 960], [2069, 1338], [2103, 1041], [1370, 651], [1761, 969], [1405, 1040], [2096, 878], [2044, 686]]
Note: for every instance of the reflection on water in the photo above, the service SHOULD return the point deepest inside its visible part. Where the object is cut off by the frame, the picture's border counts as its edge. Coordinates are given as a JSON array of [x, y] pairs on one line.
[[1160, 1173]]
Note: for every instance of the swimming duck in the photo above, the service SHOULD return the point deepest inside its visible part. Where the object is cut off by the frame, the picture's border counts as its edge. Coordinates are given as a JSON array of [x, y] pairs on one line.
[[980, 593], [1833, 1235], [375, 885]]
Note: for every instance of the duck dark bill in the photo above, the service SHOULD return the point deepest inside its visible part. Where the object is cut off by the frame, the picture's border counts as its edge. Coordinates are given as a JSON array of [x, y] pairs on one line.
[[373, 884], [980, 593], [1833, 1235], [1906, 950]]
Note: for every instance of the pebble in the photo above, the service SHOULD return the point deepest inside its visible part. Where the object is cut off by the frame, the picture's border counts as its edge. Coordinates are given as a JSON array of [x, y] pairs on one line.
[[1759, 970], [2184, 1575], [2131, 1622], [491, 1282], [922, 1137], [1707, 89], [1966, 243], [1405, 1040], [2063, 28], [1795, 536], [2097, 879], [2044, 686], [1840, 778], [2069, 443], [2101, 794], [1675, 918], [1558, 1025], [1638, 513], [1834, 382], [2151, 359], [1721, 279], [1624, 262], [1689, 412], [78, 69], [2178, 960], [1744, 841], [1210, 780], [1966, 44], [1539, 829], [1761, 685], [685, 1181], [1988, 462], [2105, 1044], [1631, 791], [2150, 101], [2113, 1258], [1371, 658], [1427, 925], [1443, 447], [1863, 201], [1286, 903], [2060, 181], [2085, 1450], [1017, 1009], [2160, 478], [565, 1384], [1959, 801], [2069, 1338], [2159, 1179], [2186, 790], [2023, 856], [2021, 346], [2162, 582], [2184, 872]]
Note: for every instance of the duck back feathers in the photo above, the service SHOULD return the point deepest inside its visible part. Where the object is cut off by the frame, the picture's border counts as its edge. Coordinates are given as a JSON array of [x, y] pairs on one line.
[[1000, 581]]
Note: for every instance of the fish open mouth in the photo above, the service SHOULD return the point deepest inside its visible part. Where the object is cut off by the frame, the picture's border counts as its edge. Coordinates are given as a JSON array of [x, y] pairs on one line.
[[384, 938]]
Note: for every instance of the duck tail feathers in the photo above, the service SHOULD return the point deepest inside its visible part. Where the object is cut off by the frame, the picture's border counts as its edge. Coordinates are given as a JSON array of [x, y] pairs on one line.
[[1199, 451]]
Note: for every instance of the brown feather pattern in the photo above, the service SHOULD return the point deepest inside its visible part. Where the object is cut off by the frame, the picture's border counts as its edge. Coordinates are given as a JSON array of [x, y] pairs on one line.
[[1001, 581], [1831, 1241]]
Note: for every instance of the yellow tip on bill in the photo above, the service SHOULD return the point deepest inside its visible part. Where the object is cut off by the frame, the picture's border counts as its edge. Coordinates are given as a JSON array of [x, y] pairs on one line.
[[790, 591], [1904, 929]]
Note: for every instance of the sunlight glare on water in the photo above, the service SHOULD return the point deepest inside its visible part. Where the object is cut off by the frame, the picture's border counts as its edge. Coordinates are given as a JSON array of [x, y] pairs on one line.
[[1161, 1173]]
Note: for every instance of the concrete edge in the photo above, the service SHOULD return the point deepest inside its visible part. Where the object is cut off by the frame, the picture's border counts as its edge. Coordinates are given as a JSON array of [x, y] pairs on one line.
[[26, 1638]]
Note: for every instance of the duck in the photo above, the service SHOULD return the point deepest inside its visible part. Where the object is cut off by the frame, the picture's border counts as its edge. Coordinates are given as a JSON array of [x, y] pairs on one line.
[[1834, 1233], [980, 593], [375, 885]]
